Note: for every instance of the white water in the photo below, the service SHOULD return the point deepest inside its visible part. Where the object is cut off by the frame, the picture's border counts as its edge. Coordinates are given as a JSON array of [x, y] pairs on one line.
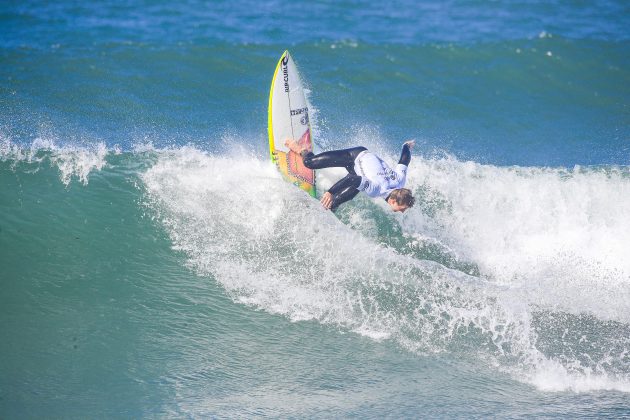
[[544, 240], [560, 235]]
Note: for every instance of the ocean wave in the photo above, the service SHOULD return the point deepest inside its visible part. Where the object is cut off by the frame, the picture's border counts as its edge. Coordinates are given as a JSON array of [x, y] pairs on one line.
[[521, 269], [306, 264]]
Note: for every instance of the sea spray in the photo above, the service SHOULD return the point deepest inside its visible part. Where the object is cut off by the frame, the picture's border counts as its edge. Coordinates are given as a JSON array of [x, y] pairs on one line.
[[71, 161]]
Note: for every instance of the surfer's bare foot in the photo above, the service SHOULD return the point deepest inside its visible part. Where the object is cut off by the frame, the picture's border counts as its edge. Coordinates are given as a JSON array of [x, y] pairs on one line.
[[293, 146]]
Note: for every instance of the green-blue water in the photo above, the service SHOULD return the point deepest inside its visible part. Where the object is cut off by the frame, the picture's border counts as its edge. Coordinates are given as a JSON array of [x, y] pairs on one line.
[[152, 264]]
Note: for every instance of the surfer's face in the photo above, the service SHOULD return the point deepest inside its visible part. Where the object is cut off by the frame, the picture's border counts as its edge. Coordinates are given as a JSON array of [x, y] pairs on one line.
[[397, 207]]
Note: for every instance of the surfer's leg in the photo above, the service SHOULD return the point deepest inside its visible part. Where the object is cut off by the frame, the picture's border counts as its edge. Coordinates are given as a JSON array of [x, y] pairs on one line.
[[332, 159], [344, 190], [343, 158]]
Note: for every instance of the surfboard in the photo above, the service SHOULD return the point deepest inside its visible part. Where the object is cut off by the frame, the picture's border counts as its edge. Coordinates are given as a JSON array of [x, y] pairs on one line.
[[288, 118]]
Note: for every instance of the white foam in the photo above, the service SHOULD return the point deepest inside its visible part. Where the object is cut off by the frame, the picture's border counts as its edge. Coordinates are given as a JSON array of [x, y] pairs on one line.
[[240, 232], [552, 376], [555, 231], [556, 239], [528, 229], [79, 162]]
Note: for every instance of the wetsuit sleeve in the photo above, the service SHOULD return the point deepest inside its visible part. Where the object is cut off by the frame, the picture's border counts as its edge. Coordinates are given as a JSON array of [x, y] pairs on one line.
[[403, 163], [345, 189], [405, 155], [401, 174]]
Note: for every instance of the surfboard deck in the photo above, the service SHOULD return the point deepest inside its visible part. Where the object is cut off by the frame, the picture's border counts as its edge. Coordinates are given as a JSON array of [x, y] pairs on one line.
[[288, 118]]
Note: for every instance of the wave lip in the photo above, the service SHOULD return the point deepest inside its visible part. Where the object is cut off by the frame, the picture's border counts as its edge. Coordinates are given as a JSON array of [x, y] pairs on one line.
[[72, 161]]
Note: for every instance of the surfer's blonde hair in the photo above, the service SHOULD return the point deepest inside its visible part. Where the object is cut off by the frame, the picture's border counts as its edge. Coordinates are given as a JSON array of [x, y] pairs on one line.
[[403, 197]]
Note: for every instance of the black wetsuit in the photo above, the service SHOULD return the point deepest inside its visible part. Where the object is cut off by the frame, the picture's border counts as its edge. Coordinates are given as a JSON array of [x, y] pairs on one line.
[[347, 187]]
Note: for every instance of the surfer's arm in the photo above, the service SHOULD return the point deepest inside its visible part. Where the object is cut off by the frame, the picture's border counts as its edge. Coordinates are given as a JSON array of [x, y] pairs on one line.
[[405, 155], [401, 175], [401, 169]]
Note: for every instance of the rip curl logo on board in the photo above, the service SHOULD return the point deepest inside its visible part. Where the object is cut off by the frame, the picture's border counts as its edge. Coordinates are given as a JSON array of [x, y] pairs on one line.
[[285, 73]]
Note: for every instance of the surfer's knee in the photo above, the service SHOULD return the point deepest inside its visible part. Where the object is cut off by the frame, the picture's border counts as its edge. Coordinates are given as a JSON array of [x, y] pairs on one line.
[[307, 158]]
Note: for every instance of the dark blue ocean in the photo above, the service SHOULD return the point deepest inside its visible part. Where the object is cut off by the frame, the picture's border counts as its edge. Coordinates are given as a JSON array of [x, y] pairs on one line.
[[154, 264]]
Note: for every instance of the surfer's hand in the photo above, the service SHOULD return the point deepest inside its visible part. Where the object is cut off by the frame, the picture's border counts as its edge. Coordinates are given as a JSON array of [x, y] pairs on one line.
[[327, 200], [410, 143]]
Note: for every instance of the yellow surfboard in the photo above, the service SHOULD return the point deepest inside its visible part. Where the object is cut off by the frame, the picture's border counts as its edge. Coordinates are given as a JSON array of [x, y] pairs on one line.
[[288, 118]]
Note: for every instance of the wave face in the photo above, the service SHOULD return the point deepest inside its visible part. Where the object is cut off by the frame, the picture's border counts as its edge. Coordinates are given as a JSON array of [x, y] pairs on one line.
[[518, 271]]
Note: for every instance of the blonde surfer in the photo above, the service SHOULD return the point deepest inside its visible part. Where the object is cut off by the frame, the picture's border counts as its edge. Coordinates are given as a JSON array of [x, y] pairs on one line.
[[366, 172]]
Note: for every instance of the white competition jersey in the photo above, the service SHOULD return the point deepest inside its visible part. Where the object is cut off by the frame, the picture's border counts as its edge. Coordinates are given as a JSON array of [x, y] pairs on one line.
[[377, 178]]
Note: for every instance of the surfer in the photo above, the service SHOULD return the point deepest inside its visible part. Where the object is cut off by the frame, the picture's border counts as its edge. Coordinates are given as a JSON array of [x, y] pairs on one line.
[[366, 172]]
